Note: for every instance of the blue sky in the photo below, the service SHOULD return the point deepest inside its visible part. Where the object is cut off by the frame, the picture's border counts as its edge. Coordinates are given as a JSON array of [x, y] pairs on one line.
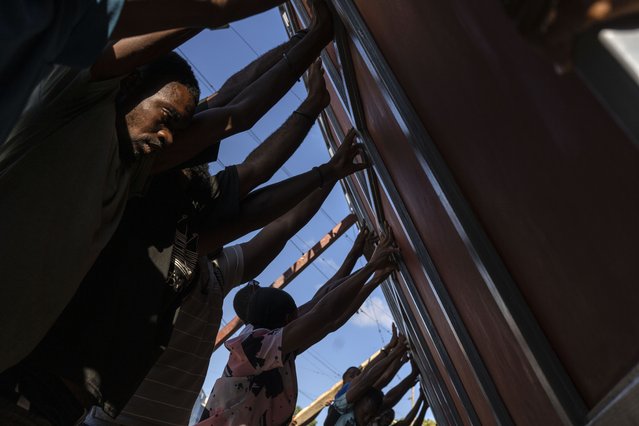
[[217, 55]]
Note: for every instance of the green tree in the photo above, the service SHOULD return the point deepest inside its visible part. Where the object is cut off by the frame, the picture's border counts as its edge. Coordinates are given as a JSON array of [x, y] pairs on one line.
[[429, 422]]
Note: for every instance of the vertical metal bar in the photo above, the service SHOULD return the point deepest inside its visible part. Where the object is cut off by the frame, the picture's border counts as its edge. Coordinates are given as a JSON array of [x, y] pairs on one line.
[[544, 362]]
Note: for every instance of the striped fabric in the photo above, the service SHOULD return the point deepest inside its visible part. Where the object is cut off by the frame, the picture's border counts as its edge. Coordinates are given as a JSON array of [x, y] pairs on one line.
[[170, 389]]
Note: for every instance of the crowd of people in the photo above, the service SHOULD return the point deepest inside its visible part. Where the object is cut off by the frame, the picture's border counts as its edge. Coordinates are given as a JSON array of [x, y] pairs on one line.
[[115, 249]]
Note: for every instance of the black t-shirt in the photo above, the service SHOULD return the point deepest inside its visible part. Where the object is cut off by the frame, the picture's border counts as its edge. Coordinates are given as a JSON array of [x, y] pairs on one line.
[[119, 321]]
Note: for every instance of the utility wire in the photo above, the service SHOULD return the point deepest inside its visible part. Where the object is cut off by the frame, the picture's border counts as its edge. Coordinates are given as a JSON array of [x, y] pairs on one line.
[[254, 136], [205, 80], [324, 363], [255, 52], [258, 141]]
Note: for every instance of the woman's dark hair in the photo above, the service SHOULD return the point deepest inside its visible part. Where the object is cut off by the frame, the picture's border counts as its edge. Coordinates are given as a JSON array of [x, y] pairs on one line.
[[270, 308], [168, 69]]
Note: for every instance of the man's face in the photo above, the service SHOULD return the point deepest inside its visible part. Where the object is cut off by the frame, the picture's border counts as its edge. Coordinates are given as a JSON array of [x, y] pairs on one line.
[[351, 373], [151, 124]]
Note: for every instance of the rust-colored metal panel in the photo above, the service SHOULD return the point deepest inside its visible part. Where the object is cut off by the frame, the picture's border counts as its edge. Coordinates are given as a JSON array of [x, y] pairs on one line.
[[551, 177], [480, 403], [508, 366], [401, 240], [340, 114]]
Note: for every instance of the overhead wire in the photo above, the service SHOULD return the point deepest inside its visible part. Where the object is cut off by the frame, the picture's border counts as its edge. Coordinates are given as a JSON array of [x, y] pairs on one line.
[[203, 79], [246, 42], [326, 364]]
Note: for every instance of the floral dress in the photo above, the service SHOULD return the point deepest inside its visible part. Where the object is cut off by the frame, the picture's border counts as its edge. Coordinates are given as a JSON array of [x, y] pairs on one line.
[[258, 387], [345, 409]]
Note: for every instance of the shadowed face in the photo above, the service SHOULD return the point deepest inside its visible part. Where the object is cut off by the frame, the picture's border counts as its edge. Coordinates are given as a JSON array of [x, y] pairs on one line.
[[351, 373], [384, 419], [151, 124], [365, 411]]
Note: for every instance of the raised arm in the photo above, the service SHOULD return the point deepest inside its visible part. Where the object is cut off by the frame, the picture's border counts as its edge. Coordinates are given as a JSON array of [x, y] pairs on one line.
[[385, 350], [360, 385], [262, 163], [340, 275], [419, 421], [269, 242], [392, 397], [147, 16], [410, 416], [239, 81], [124, 56], [271, 154], [266, 204], [391, 372], [320, 321], [354, 253], [250, 104]]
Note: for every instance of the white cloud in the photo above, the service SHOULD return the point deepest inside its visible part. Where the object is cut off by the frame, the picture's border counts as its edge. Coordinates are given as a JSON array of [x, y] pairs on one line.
[[375, 308]]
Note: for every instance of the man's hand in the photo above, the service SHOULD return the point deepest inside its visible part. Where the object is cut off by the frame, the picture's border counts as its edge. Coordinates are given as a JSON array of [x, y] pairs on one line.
[[414, 371], [343, 162], [360, 241], [369, 245], [322, 21], [381, 258], [318, 97], [393, 341], [382, 274]]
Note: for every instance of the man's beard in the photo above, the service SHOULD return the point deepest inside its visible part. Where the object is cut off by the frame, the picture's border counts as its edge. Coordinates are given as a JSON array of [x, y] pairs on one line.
[[145, 145]]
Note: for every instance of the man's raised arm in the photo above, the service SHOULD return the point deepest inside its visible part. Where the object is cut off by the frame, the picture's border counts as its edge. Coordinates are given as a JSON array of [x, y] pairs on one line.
[[253, 102], [264, 205], [147, 16], [269, 242]]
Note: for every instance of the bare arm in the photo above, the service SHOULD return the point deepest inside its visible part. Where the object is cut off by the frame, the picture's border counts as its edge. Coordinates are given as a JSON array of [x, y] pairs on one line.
[[340, 276], [386, 349], [249, 105], [360, 385], [247, 75], [307, 330], [147, 16], [422, 413], [354, 253], [259, 209], [268, 157], [410, 416], [362, 295], [269, 242], [392, 397], [390, 373], [266, 204], [124, 56]]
